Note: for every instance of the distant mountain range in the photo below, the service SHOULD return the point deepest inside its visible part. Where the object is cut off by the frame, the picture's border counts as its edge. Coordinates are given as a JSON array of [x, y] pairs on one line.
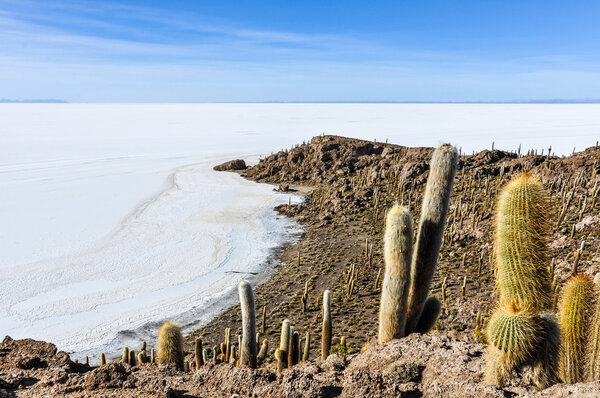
[[32, 101]]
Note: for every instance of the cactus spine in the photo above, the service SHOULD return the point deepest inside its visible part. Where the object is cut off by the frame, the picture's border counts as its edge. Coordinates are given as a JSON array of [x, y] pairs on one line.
[[431, 230], [170, 345], [397, 246], [282, 352], [326, 329], [248, 346], [575, 310], [430, 315]]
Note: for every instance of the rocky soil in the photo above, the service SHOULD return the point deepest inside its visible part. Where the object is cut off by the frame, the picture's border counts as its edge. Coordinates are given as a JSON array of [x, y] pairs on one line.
[[351, 183]]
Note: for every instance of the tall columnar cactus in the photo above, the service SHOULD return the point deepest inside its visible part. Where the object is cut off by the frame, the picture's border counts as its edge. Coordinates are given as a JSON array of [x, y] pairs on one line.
[[306, 350], [397, 247], [430, 315], [284, 343], [326, 329], [521, 333], [170, 345], [431, 230], [575, 310], [102, 359], [522, 254], [248, 347], [264, 349], [593, 344]]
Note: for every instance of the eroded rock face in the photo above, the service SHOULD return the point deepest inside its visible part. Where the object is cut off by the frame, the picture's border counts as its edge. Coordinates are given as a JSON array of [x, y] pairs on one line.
[[433, 365], [237, 164]]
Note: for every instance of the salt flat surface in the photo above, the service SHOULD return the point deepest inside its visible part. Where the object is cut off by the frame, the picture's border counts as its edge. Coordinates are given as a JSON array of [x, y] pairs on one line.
[[113, 220]]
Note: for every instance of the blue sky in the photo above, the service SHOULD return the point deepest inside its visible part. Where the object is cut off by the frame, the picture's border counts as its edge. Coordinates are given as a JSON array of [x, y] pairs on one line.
[[187, 51]]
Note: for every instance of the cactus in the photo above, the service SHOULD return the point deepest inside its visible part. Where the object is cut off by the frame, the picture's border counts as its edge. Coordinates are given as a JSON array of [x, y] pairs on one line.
[[283, 346], [575, 309], [290, 350], [152, 357], [430, 315], [295, 348], [102, 359], [522, 254], [248, 346], [170, 345], [143, 348], [431, 229], [326, 329], [593, 344], [306, 350], [514, 333], [132, 360], [544, 368], [142, 358], [125, 356], [281, 358], [198, 353], [233, 355], [264, 349], [394, 293]]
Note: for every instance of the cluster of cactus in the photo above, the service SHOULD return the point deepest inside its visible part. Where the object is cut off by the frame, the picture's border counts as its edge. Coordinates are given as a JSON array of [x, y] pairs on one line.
[[522, 333], [405, 303]]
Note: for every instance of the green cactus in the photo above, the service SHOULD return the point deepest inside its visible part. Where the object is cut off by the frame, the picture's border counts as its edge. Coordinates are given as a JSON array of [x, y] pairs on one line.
[[515, 334], [575, 310], [431, 229], [142, 358], [170, 345], [593, 345], [264, 349], [282, 353], [326, 327], [125, 356], [306, 350], [248, 345], [430, 315], [397, 247], [132, 360], [521, 249]]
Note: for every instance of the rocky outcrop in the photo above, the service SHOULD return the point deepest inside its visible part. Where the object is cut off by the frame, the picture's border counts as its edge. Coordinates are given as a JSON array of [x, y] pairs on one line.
[[232, 165]]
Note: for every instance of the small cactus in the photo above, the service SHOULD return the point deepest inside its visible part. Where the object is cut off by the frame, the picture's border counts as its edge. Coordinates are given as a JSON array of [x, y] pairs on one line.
[[264, 349], [326, 328], [125, 356], [142, 358], [306, 350], [282, 353], [170, 345], [132, 360], [396, 281], [575, 310], [430, 315], [102, 359], [198, 353], [248, 344]]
